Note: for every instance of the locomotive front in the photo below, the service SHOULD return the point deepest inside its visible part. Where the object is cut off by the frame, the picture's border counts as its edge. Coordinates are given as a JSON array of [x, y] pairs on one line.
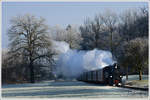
[[115, 76]]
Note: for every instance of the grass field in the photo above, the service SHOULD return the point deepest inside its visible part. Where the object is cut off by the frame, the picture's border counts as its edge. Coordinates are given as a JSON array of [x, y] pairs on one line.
[[133, 80]]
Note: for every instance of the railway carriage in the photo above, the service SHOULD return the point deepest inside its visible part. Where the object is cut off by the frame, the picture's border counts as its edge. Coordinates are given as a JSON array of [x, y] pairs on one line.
[[110, 75]]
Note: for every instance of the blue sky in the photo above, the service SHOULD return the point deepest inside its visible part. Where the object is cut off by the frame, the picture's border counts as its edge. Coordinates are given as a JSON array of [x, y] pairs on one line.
[[59, 13]]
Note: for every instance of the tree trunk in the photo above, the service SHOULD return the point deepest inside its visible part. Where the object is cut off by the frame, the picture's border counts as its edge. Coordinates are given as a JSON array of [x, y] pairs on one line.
[[127, 73], [140, 74], [111, 43], [31, 73], [96, 40]]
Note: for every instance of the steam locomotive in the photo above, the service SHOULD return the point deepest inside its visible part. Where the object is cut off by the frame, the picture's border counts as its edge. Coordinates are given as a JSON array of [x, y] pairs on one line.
[[110, 75]]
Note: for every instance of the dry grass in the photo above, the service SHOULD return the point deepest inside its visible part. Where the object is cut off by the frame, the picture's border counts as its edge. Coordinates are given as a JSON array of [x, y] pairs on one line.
[[138, 83]]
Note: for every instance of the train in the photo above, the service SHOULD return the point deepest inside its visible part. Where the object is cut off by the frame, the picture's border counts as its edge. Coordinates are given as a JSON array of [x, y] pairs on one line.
[[109, 75]]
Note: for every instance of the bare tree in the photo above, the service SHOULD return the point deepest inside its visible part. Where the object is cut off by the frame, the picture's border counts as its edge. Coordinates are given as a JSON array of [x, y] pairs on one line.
[[72, 37], [133, 24], [91, 32], [98, 32], [13, 70], [109, 19], [142, 22], [86, 33], [5, 57], [5, 65], [28, 37], [126, 29], [137, 53], [128, 19], [57, 33]]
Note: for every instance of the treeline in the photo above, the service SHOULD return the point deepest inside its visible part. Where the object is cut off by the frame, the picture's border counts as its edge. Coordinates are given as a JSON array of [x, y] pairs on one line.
[[125, 35], [30, 56]]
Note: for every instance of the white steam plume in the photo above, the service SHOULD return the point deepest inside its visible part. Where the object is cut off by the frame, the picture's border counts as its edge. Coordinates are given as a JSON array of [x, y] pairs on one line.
[[71, 63]]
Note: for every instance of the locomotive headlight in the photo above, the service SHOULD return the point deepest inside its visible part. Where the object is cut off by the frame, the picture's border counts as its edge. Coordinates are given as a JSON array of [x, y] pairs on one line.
[[120, 76], [110, 76], [119, 84]]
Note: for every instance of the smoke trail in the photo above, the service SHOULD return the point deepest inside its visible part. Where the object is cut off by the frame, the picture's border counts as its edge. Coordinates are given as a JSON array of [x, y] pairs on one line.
[[71, 63]]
